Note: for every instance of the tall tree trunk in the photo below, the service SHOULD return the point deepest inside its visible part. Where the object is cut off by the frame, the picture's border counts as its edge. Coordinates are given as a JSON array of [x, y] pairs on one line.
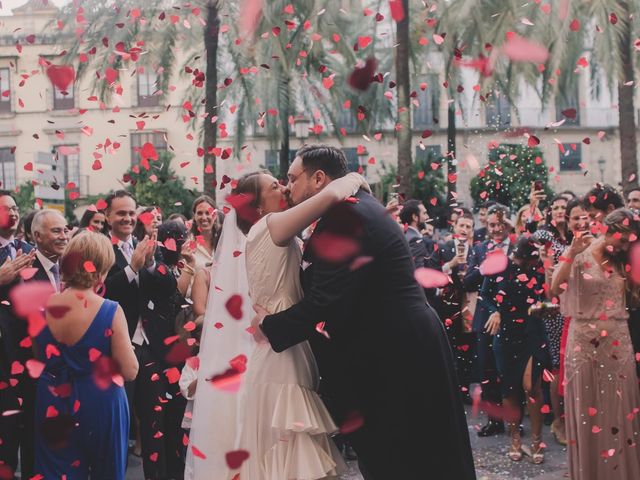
[[626, 109], [211, 31], [404, 105], [284, 107], [452, 172]]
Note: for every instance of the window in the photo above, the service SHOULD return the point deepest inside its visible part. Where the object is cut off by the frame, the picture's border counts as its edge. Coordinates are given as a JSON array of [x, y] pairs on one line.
[[63, 100], [7, 168], [431, 154], [68, 159], [5, 90], [426, 115], [570, 157], [353, 164], [567, 101], [498, 111], [272, 160], [347, 120], [503, 149], [139, 139], [147, 86]]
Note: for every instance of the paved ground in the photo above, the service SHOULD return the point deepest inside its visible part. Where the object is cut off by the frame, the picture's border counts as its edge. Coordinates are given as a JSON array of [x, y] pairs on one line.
[[489, 455]]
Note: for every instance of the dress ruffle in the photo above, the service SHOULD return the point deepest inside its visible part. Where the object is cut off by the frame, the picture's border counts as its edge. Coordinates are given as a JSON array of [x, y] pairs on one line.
[[300, 447], [298, 409]]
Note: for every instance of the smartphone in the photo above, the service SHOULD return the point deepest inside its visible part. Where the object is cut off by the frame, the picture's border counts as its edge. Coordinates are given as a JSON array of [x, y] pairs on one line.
[[394, 196], [537, 185]]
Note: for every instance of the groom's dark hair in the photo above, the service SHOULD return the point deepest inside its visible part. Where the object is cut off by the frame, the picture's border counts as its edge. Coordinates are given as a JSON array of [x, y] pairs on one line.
[[330, 160]]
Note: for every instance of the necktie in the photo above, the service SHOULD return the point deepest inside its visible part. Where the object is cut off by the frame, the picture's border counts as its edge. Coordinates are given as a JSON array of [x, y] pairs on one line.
[[11, 250], [127, 249], [55, 269]]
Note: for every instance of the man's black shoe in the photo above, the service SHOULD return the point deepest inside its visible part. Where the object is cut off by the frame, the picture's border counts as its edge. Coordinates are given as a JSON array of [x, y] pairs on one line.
[[491, 428]]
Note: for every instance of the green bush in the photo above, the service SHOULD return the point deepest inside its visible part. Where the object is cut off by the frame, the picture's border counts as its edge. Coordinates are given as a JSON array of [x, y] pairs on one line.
[[166, 191], [508, 176], [428, 185]]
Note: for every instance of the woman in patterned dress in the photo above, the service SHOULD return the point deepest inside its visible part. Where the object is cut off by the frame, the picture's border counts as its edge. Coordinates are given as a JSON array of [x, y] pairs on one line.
[[555, 236]]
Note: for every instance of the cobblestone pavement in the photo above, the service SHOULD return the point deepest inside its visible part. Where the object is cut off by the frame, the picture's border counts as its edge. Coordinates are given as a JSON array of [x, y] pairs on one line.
[[489, 455]]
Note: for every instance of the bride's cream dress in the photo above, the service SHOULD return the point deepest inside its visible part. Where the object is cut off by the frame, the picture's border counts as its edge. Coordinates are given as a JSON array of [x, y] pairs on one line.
[[286, 428]]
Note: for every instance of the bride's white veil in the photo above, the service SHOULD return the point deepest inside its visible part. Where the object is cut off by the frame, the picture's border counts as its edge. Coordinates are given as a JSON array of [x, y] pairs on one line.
[[215, 414]]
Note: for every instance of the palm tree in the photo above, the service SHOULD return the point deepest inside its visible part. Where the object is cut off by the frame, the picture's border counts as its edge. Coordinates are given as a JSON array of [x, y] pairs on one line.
[[605, 29], [296, 67], [100, 26], [402, 54]]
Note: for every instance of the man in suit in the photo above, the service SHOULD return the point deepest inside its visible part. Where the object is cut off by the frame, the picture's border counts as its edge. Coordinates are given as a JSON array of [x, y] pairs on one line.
[[414, 217], [480, 233], [386, 368], [17, 388], [498, 230], [137, 283], [452, 258], [51, 235]]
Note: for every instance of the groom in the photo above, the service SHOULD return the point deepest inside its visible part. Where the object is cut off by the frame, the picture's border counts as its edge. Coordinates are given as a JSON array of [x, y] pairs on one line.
[[386, 368]]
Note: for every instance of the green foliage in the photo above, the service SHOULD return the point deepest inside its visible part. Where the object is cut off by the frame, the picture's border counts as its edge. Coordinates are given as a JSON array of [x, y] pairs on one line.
[[25, 197], [508, 176], [166, 190], [430, 189]]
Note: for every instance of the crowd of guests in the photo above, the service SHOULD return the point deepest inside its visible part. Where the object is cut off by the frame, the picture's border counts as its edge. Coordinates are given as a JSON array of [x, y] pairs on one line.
[[542, 313], [98, 358]]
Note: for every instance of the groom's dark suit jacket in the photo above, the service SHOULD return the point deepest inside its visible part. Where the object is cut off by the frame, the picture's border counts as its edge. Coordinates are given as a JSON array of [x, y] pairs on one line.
[[388, 361]]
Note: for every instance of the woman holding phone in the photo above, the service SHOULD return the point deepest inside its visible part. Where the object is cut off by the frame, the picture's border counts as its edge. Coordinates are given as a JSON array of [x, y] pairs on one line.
[[602, 396]]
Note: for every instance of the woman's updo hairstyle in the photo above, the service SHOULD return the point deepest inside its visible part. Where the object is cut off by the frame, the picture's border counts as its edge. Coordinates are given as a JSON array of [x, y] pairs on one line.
[[246, 198]]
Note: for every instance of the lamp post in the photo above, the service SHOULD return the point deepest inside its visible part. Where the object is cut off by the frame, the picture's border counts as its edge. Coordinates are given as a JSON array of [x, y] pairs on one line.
[[601, 164]]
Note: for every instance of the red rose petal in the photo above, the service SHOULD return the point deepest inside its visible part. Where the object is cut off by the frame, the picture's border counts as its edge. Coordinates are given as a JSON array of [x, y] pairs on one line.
[[35, 368], [234, 306], [236, 458], [430, 278], [28, 273], [61, 76], [361, 78], [494, 263]]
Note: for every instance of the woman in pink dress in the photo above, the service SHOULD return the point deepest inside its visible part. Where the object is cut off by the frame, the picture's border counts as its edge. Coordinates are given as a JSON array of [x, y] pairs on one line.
[[602, 399]]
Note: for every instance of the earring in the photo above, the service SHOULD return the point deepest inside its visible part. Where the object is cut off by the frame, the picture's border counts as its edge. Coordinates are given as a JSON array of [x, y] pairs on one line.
[[100, 289]]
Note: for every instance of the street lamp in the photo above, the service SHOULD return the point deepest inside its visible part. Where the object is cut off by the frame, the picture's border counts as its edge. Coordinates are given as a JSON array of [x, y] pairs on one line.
[[601, 164]]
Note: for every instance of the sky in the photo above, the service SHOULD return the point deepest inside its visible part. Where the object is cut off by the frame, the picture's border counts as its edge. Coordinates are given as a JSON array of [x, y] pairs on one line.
[[7, 5]]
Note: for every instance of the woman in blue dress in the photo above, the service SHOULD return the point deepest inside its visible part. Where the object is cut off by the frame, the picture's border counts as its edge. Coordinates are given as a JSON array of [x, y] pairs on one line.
[[82, 415], [520, 344]]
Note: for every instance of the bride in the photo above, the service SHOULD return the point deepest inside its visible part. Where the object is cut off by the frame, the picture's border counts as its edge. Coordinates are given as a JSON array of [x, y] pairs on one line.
[[277, 419]]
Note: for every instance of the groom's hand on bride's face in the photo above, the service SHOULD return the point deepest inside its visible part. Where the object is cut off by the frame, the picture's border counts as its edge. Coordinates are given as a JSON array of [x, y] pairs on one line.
[[261, 312]]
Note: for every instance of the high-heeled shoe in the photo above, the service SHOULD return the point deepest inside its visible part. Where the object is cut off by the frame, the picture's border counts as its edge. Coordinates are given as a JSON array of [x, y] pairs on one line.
[[559, 433], [537, 450], [515, 451]]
